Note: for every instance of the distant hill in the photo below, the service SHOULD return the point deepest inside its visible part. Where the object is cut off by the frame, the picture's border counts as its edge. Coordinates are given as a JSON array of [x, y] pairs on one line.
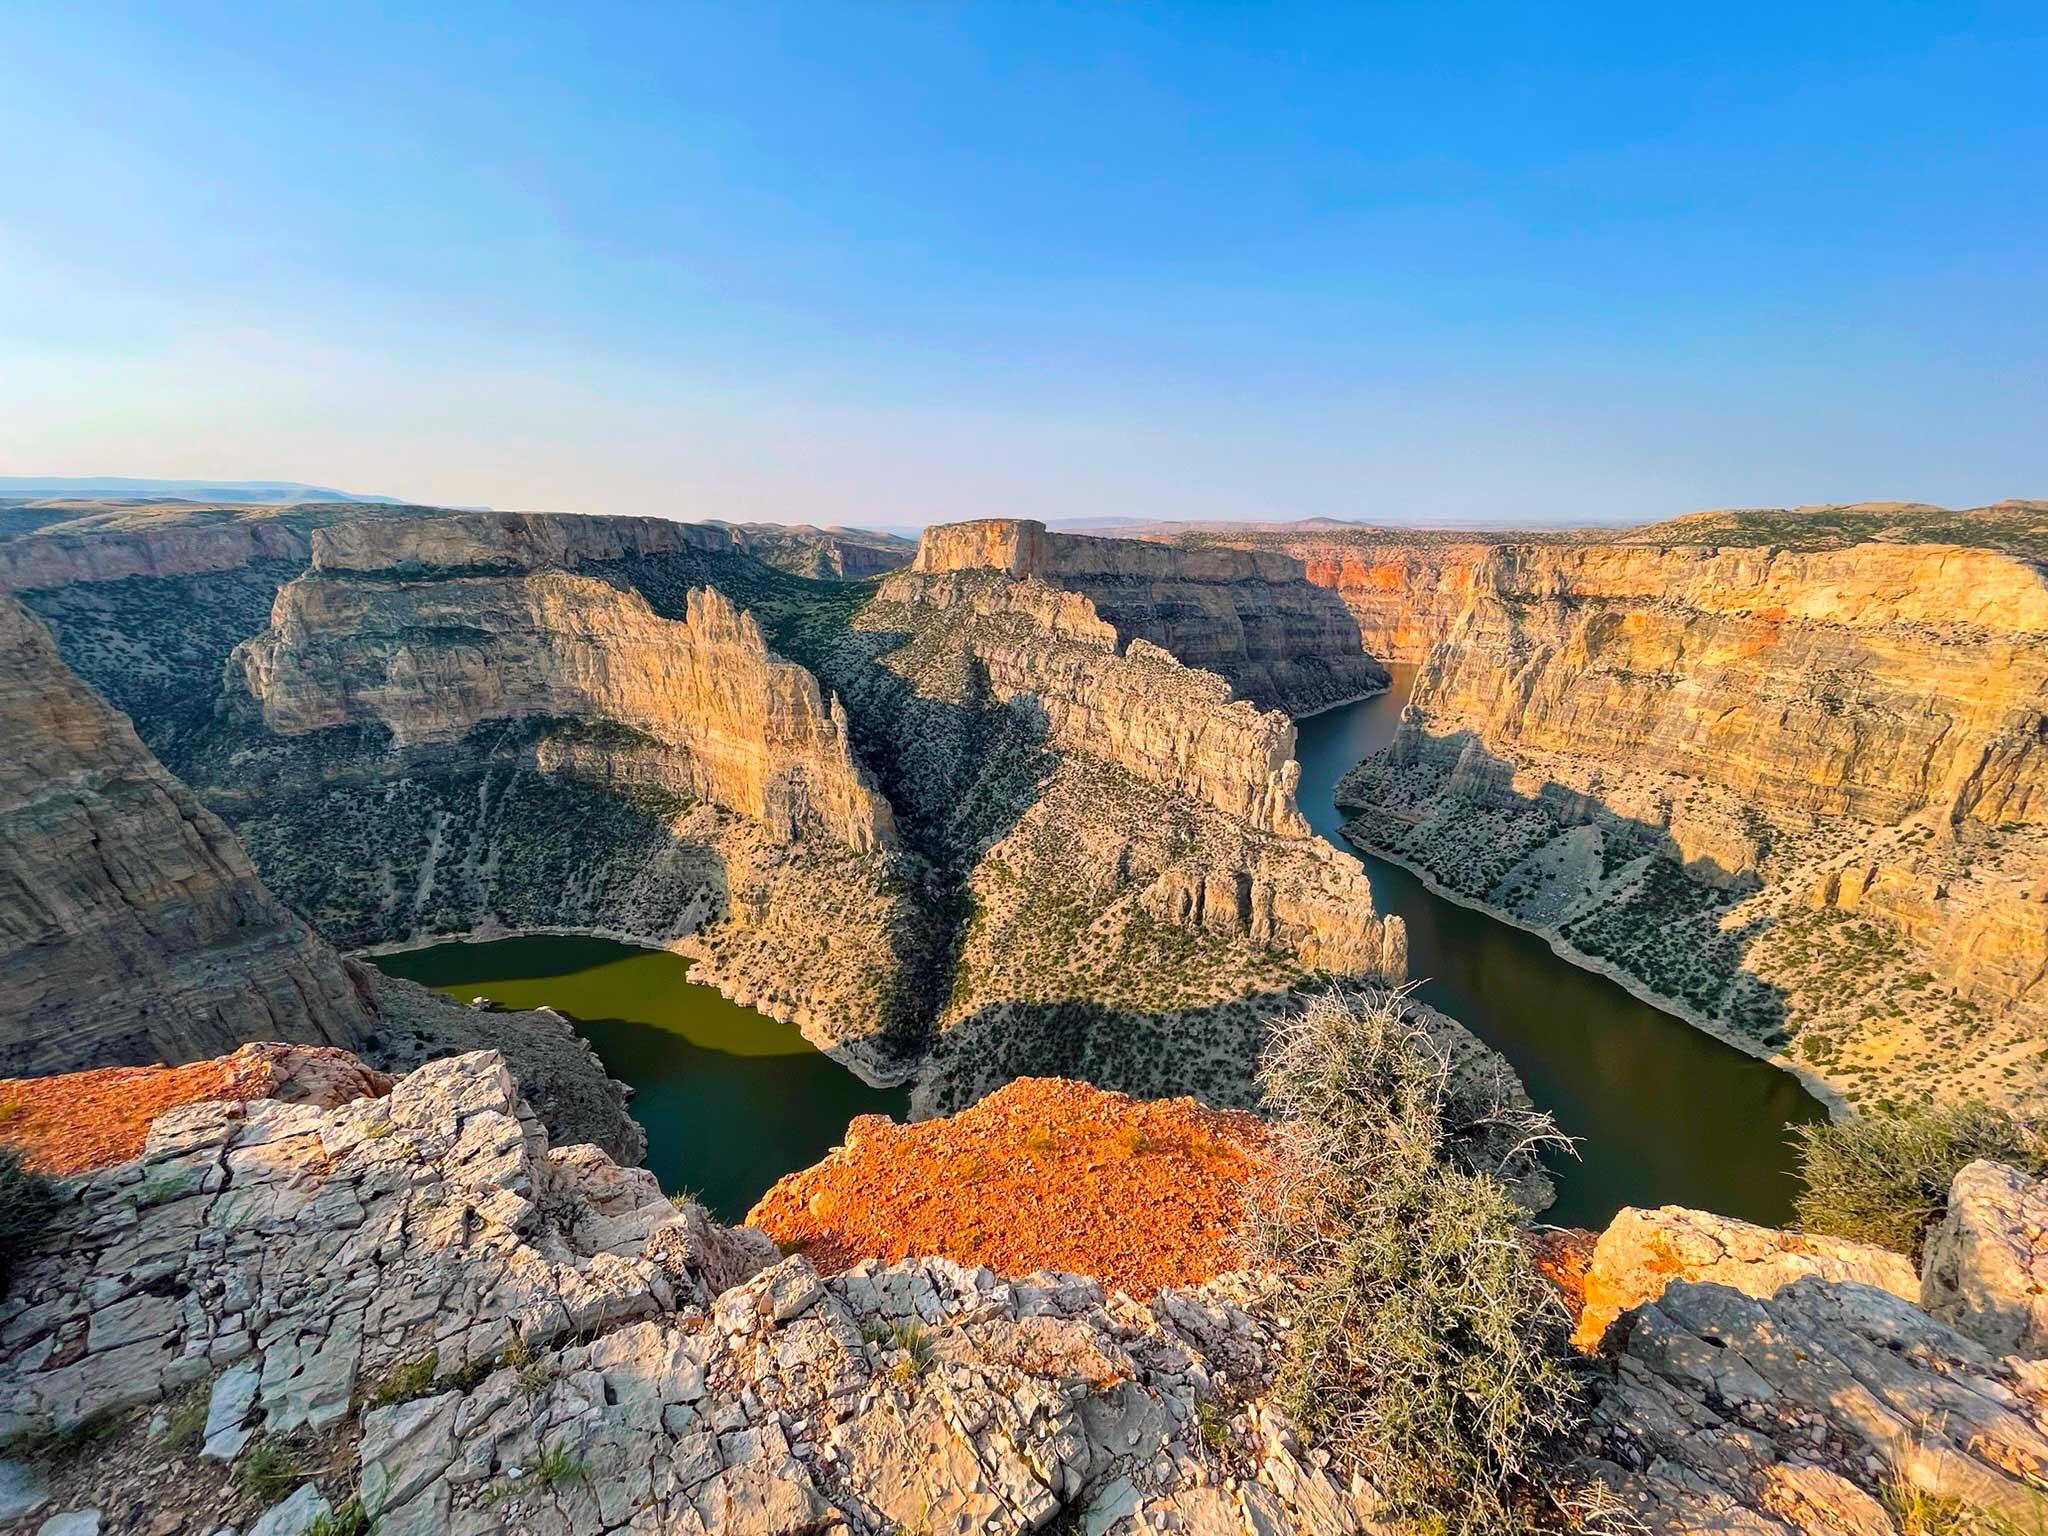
[[100, 487]]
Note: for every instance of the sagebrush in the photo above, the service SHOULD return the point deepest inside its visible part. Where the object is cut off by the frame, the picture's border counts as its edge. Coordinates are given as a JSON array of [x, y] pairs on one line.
[[1426, 1351], [27, 1202], [1884, 1178]]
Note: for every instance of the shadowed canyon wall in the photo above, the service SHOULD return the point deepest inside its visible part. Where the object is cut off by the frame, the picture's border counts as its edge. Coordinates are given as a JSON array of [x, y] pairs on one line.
[[1249, 615], [132, 925]]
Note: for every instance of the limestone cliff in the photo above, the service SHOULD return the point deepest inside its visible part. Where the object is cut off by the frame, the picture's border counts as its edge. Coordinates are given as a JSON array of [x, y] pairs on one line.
[[132, 926], [1118, 840], [431, 660], [1797, 794], [415, 749], [1250, 616], [1876, 681], [1171, 725]]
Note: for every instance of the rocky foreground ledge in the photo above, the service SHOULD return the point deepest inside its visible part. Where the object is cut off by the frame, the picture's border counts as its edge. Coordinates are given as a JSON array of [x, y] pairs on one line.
[[407, 1305], [415, 1300]]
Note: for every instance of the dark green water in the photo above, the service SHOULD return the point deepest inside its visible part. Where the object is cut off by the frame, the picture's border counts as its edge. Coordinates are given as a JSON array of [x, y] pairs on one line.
[[731, 1099], [1664, 1113]]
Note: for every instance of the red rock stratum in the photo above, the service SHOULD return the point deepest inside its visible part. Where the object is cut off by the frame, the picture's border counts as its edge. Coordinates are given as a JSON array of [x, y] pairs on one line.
[[73, 1122], [1042, 1174]]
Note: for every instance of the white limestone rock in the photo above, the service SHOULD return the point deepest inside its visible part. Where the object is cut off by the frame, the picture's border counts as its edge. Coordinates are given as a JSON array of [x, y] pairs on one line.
[[1986, 1263]]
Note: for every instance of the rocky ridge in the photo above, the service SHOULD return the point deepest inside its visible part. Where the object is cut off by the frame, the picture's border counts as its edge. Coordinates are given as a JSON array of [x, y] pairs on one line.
[[1117, 835], [1251, 617], [132, 924], [414, 1299], [417, 1297]]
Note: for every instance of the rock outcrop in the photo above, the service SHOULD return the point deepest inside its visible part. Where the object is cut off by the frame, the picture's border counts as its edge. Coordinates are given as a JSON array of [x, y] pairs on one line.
[[132, 925], [1764, 1388], [1986, 1261], [431, 660], [474, 1330], [1251, 617], [1642, 1252]]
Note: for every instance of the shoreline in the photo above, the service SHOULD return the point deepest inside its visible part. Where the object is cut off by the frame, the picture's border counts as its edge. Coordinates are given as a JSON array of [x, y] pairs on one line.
[[1829, 1097], [1356, 698], [681, 947]]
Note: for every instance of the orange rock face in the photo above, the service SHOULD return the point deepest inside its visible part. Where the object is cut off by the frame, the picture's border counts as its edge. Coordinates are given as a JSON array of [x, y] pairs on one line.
[[1042, 1174], [71, 1122]]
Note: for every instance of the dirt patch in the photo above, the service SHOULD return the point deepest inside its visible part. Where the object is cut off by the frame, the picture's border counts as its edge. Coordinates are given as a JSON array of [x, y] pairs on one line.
[[1042, 1174], [72, 1122]]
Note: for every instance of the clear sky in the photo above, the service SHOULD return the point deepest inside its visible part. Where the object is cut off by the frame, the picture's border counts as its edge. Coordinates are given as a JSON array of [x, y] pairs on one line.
[[896, 262]]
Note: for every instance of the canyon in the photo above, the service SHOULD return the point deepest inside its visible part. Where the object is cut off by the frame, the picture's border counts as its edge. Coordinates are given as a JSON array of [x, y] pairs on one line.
[[854, 806], [1024, 806], [1786, 787]]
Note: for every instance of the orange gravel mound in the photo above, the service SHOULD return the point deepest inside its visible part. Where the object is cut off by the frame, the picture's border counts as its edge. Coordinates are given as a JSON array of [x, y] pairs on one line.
[[1042, 1174], [72, 1122]]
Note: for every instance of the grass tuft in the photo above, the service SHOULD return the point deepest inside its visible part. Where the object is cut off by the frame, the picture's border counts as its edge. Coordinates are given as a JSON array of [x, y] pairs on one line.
[[1883, 1177]]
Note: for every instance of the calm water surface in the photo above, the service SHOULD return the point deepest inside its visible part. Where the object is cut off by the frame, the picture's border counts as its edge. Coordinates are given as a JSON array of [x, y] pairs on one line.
[[1665, 1114], [731, 1099]]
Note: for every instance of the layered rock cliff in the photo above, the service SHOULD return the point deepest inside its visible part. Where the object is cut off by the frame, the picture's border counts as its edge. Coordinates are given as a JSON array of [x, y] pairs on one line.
[[1127, 885], [416, 748], [1250, 616], [1797, 795], [132, 925], [433, 659]]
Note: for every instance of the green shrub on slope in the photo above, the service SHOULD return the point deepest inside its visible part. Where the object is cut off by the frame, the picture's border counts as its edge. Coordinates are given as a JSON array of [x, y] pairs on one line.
[[1884, 1178], [1426, 1350]]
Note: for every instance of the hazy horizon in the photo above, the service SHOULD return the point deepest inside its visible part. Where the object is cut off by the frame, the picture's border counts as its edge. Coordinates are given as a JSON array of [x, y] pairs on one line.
[[1457, 266]]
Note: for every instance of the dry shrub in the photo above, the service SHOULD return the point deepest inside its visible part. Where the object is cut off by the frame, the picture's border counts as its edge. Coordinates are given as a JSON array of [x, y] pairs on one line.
[[1426, 1351], [1884, 1178]]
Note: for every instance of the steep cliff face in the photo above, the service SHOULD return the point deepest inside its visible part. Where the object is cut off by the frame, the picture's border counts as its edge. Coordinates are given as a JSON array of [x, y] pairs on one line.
[[132, 926], [414, 749], [1876, 681], [65, 544], [1115, 835], [1171, 725], [1798, 794], [1404, 597], [431, 660], [1250, 616]]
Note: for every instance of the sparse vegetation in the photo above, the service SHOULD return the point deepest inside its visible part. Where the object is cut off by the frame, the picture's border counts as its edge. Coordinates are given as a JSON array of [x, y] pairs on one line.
[[267, 1471], [345, 1519], [408, 1379], [60, 1447], [1883, 1177], [185, 1420], [27, 1201], [556, 1467], [1920, 1513], [1426, 1351]]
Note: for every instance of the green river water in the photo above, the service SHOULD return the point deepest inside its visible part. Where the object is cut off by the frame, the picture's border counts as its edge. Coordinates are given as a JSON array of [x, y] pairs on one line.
[[732, 1100], [1664, 1113]]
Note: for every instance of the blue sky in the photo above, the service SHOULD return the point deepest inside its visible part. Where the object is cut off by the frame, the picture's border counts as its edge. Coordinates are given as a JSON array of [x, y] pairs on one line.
[[892, 262]]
